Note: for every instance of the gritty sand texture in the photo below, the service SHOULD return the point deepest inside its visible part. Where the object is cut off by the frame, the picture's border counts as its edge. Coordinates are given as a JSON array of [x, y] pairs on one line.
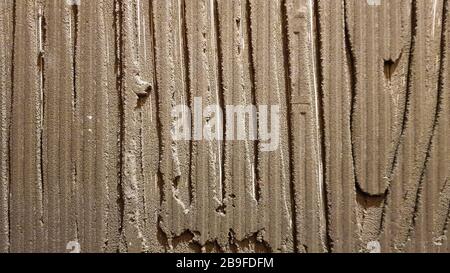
[[86, 146]]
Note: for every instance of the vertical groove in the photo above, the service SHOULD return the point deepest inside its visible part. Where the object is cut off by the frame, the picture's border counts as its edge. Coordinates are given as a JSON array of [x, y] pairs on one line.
[[187, 80], [408, 86], [221, 98], [251, 63], [119, 73], [74, 144], [438, 109], [74, 57], [156, 90], [321, 117], [406, 112], [41, 62], [288, 73], [10, 122], [321, 121]]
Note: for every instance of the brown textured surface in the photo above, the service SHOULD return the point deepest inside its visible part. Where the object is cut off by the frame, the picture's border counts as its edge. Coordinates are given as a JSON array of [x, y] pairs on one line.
[[86, 146]]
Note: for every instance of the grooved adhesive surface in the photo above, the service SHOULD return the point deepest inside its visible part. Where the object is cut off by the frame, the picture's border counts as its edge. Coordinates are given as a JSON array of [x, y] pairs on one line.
[[355, 153]]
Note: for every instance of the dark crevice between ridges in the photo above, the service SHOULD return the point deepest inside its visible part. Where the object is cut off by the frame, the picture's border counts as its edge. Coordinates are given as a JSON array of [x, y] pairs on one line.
[[442, 230], [329, 244], [352, 67], [406, 110], [13, 51], [41, 64], [438, 111], [222, 208], [187, 237], [390, 67], [447, 218], [162, 196], [251, 68], [161, 236], [74, 56], [186, 60], [142, 100], [409, 80], [74, 17], [141, 175], [287, 75], [118, 25], [74, 11]]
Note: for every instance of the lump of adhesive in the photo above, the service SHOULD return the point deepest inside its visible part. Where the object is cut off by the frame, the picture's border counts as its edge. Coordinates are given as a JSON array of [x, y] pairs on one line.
[[143, 88]]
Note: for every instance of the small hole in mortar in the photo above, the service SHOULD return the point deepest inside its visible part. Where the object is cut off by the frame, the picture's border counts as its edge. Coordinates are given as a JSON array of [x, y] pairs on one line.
[[389, 67]]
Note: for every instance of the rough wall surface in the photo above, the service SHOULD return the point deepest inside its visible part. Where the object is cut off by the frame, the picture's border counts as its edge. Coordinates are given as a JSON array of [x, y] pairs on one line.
[[87, 147]]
